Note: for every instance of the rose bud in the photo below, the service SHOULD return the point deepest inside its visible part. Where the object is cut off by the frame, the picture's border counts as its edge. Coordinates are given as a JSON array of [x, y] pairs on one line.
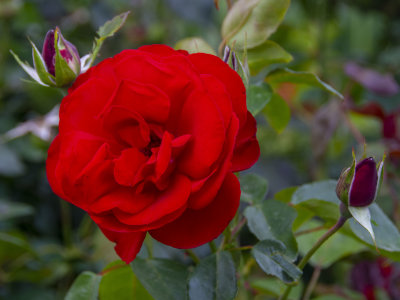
[[358, 185], [68, 52], [59, 63]]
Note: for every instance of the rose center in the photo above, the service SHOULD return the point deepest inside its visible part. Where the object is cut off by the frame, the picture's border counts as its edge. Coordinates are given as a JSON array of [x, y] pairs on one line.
[[155, 141]]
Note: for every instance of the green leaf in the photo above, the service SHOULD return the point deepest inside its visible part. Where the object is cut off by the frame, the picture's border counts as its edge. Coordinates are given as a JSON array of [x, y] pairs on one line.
[[286, 194], [40, 66], [85, 287], [334, 249], [163, 279], [316, 199], [274, 287], [214, 278], [265, 55], [277, 113], [195, 45], [273, 220], [28, 69], [112, 26], [119, 282], [270, 256], [10, 210], [257, 97], [12, 246], [363, 217], [287, 75], [386, 234], [64, 74], [250, 22], [254, 188]]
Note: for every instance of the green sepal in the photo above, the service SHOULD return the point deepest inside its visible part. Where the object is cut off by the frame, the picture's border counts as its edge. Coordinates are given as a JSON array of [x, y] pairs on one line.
[[345, 181], [28, 69], [64, 74], [363, 216], [40, 66]]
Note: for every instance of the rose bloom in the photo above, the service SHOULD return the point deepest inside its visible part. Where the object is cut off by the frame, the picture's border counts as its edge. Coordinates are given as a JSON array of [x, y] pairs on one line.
[[148, 142]]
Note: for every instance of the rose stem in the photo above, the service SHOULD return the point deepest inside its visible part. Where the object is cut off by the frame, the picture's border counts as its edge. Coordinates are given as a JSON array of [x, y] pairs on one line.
[[213, 247], [314, 248], [193, 256]]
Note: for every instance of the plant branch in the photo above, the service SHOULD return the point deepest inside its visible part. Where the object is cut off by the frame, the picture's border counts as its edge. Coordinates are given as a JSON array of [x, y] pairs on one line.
[[314, 248]]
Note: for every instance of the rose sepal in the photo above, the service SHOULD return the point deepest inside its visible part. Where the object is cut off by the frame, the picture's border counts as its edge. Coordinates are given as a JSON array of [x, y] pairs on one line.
[[65, 75]]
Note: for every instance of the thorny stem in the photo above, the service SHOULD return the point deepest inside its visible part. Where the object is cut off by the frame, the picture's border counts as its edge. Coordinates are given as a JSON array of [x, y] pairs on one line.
[[314, 248]]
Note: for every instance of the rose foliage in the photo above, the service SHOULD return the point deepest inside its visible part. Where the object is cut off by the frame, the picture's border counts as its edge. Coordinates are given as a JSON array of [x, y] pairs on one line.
[[148, 142]]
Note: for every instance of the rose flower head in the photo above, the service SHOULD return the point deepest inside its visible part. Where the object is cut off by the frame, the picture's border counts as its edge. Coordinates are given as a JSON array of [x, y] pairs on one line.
[[358, 185], [148, 142]]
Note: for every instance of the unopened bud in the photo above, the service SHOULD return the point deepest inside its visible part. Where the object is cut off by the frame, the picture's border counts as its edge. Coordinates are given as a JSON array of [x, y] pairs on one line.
[[358, 185], [68, 52]]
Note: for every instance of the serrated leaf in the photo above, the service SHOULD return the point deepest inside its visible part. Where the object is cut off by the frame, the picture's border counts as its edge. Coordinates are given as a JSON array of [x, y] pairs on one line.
[[254, 188], [85, 287], [112, 26], [119, 282], [214, 278], [266, 54], [273, 220], [163, 279], [195, 45], [257, 97], [363, 217], [40, 66], [277, 113], [270, 256], [250, 22], [28, 69], [287, 75]]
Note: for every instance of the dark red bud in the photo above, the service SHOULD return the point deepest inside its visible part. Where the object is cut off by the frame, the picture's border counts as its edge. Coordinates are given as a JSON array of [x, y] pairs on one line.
[[49, 52], [364, 185]]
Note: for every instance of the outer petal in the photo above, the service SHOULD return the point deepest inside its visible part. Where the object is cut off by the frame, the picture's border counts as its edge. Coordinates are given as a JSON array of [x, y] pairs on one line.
[[211, 64], [247, 149], [201, 118], [196, 227], [128, 244]]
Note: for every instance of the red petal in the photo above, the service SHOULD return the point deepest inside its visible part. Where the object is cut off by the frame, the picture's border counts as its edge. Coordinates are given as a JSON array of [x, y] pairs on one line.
[[128, 244], [168, 201], [247, 150], [210, 187], [127, 166], [147, 100], [196, 227], [126, 126], [200, 118], [211, 64]]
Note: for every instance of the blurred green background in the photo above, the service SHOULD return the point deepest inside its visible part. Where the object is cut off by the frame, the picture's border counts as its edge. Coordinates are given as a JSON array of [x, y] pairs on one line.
[[45, 243]]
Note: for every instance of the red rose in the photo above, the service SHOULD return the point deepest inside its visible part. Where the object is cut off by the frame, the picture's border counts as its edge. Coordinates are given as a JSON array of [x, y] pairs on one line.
[[148, 141]]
